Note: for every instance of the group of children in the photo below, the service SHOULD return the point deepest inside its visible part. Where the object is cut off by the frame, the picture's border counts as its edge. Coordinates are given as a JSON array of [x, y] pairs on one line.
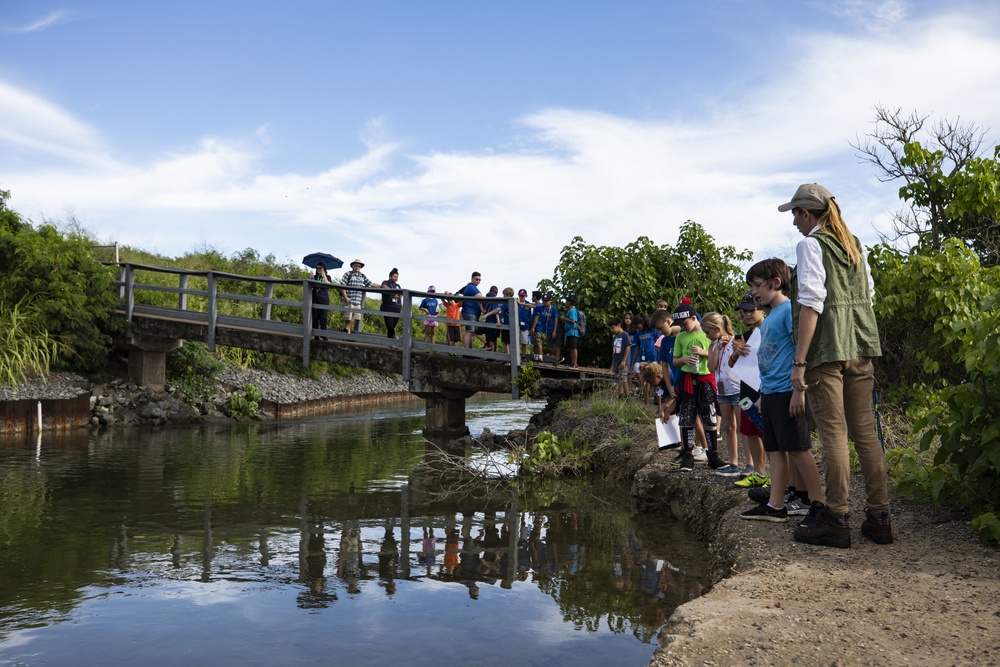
[[541, 327]]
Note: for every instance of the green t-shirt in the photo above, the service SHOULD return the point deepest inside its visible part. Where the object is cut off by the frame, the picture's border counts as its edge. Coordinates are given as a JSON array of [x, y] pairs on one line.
[[682, 348]]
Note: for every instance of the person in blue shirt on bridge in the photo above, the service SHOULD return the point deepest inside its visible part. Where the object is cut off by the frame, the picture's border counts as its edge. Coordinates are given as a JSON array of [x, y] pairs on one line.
[[524, 313], [543, 327], [572, 329], [429, 307], [471, 310]]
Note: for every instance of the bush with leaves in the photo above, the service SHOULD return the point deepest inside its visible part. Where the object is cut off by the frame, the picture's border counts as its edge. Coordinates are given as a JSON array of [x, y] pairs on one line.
[[72, 291], [26, 349]]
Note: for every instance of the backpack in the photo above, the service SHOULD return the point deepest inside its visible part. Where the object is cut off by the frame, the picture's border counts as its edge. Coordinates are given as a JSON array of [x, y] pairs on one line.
[[581, 322]]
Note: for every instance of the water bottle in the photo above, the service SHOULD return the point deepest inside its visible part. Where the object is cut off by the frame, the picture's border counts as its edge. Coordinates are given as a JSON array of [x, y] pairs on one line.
[[753, 413]]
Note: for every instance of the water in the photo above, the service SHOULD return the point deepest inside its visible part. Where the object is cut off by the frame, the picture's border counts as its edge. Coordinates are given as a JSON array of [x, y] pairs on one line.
[[318, 542]]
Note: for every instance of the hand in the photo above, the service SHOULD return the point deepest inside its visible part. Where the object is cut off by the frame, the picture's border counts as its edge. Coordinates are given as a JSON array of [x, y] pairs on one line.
[[741, 348], [799, 378], [797, 406], [692, 361]]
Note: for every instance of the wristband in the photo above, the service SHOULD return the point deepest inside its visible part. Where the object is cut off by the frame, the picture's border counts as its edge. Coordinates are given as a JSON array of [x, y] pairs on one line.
[[798, 363]]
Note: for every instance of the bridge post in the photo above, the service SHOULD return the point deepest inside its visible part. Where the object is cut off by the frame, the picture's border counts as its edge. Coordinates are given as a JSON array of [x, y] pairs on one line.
[[445, 413], [147, 359]]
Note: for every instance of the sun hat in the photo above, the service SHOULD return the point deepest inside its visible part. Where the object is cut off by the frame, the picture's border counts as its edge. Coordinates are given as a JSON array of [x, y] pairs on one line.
[[358, 262], [810, 196]]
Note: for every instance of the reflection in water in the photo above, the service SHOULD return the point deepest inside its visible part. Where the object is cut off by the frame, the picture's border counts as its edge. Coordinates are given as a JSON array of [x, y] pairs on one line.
[[218, 538]]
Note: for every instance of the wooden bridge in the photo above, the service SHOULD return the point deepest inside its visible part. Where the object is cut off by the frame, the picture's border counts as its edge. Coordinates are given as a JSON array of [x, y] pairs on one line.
[[166, 306]]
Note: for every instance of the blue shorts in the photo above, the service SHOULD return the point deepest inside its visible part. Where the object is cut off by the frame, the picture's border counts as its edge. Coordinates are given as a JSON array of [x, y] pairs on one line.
[[470, 317], [729, 400]]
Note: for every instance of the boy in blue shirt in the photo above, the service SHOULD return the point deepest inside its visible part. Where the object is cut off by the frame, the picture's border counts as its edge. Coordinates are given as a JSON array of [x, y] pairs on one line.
[[572, 330], [429, 307], [783, 408], [620, 346]]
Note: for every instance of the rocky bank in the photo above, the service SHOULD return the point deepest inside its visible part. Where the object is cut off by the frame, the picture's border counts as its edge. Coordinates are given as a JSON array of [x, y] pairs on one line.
[[932, 597]]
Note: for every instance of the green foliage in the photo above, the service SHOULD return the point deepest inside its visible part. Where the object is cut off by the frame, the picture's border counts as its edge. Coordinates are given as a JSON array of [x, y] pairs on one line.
[[527, 379], [609, 281], [964, 203], [987, 526], [193, 371], [552, 456], [243, 405], [26, 348], [625, 410], [923, 298], [72, 291]]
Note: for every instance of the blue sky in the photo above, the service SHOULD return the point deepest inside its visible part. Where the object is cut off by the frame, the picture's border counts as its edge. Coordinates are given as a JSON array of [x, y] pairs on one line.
[[447, 137]]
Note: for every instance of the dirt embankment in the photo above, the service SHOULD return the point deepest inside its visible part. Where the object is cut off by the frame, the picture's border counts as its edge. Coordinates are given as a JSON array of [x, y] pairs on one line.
[[932, 597]]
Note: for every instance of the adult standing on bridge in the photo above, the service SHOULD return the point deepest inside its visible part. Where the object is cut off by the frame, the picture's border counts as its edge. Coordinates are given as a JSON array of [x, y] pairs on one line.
[[392, 302], [321, 296], [354, 298], [470, 309]]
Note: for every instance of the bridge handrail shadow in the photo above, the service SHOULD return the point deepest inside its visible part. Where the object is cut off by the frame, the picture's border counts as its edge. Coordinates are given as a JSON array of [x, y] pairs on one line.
[[219, 287]]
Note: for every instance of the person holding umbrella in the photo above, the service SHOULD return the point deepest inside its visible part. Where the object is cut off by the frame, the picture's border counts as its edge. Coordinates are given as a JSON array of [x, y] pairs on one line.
[[354, 298], [321, 296]]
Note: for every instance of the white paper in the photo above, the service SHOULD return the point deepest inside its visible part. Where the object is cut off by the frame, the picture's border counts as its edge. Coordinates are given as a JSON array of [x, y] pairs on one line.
[[669, 433], [746, 367]]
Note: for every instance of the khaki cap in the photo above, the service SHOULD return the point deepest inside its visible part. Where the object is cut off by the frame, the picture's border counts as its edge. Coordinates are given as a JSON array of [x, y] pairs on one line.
[[810, 196]]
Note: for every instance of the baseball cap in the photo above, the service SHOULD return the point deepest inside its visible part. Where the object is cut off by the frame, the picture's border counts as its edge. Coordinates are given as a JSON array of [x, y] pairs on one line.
[[522, 292], [810, 196], [747, 302], [431, 288], [684, 310]]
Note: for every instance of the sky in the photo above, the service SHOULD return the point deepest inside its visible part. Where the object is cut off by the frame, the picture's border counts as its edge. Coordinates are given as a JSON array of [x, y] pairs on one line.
[[442, 138]]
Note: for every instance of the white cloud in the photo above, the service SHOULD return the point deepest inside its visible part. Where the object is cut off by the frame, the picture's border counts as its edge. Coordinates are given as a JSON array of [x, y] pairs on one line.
[[508, 213], [52, 18]]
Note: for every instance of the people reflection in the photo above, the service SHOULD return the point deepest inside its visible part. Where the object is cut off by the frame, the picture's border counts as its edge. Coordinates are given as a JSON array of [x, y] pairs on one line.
[[450, 566], [428, 548], [469, 557], [316, 595], [388, 557], [349, 563]]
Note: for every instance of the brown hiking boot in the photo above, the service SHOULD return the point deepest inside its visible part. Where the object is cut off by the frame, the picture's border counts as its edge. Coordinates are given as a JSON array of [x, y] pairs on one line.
[[825, 529], [876, 526]]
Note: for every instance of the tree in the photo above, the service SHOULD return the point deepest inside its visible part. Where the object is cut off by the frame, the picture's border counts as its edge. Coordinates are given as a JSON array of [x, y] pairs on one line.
[[56, 277], [950, 189], [609, 281]]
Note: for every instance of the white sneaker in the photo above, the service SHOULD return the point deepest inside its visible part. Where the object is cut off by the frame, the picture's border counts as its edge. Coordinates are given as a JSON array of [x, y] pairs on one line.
[[700, 455]]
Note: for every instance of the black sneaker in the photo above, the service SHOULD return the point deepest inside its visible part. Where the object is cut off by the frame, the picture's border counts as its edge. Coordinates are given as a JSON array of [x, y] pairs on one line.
[[715, 461], [765, 512], [824, 528], [759, 494], [685, 462]]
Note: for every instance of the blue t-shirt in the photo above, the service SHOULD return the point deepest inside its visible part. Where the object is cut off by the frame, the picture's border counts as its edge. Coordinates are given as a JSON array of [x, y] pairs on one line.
[[571, 327], [546, 319], [430, 305], [618, 345], [667, 355], [645, 340], [471, 307], [777, 350], [524, 316]]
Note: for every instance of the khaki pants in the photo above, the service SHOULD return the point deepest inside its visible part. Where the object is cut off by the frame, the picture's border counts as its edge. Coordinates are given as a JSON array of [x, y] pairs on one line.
[[840, 402]]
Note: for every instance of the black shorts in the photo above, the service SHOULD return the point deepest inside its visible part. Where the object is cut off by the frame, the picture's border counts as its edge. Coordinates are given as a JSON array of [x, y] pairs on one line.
[[491, 334], [701, 403], [572, 342], [454, 334], [783, 433]]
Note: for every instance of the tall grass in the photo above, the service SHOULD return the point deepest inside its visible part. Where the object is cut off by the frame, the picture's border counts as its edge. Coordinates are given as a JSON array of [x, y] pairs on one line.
[[26, 348]]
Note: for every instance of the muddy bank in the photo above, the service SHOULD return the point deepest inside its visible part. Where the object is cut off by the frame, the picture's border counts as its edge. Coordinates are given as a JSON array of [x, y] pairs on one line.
[[930, 598]]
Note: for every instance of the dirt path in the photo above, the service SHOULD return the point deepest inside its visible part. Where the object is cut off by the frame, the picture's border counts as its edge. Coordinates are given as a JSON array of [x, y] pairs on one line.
[[930, 598]]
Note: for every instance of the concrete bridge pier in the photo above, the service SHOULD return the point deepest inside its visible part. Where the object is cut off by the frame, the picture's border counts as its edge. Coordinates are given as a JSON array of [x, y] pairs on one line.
[[147, 359], [445, 413]]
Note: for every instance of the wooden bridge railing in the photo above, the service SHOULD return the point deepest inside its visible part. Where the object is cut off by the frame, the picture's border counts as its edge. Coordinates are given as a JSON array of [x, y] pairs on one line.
[[219, 299]]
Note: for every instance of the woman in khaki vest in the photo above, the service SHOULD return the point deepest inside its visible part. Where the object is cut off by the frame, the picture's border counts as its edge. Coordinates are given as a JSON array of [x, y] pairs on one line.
[[837, 339]]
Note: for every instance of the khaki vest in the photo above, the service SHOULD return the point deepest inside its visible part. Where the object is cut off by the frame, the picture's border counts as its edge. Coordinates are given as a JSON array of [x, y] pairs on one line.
[[847, 329]]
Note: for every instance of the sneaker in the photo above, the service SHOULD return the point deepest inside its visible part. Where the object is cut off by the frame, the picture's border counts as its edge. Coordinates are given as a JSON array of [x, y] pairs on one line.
[[876, 526], [760, 494], [699, 454], [728, 471], [815, 509], [746, 470], [672, 445], [765, 512], [686, 462], [795, 505], [753, 480], [826, 529], [715, 461]]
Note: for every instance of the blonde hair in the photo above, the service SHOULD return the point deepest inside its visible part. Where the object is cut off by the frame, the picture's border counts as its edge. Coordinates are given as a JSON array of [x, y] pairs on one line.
[[717, 321], [832, 224], [508, 291], [650, 371]]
